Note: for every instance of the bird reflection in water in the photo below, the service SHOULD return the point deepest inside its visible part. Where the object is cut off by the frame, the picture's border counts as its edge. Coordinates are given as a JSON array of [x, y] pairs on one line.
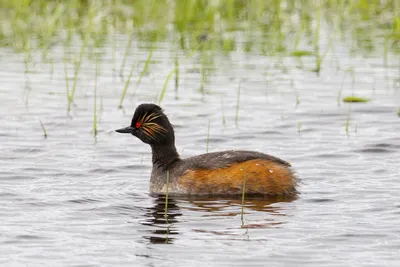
[[167, 227]]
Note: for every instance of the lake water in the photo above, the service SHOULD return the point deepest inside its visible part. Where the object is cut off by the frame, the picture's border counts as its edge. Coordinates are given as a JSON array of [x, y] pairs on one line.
[[76, 200]]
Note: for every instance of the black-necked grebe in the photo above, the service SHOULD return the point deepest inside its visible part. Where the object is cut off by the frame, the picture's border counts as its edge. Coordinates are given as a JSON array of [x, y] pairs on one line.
[[218, 173]]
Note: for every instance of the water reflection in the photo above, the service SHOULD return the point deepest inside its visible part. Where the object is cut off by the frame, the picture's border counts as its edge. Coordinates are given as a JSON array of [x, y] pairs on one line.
[[224, 207], [217, 204], [166, 228]]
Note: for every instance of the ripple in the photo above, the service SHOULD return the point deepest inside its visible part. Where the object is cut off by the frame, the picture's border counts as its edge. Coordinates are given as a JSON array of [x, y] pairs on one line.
[[320, 200], [43, 204], [375, 150], [133, 167], [269, 133], [16, 178], [212, 140], [103, 170], [29, 237], [7, 194], [84, 201], [28, 150], [334, 155]]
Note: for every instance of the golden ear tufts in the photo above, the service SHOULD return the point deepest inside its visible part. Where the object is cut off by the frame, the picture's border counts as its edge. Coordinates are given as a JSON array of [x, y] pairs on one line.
[[152, 129]]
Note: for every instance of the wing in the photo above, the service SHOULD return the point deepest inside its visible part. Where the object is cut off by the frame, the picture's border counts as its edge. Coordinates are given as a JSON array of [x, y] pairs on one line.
[[215, 160]]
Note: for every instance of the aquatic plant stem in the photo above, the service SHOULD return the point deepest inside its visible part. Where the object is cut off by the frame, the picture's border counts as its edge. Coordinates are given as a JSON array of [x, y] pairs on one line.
[[66, 78], [208, 136], [166, 197], [95, 98], [348, 120], [223, 112], [243, 195], [318, 59], [77, 70], [176, 75], [128, 47], [164, 89], [43, 129], [237, 105], [128, 81], [145, 68]]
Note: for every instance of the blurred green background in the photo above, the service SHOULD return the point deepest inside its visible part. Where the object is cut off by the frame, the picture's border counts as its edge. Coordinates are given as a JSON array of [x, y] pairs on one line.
[[266, 26]]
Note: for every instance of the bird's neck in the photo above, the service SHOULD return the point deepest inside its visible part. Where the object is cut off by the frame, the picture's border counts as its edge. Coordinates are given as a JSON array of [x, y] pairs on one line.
[[164, 156]]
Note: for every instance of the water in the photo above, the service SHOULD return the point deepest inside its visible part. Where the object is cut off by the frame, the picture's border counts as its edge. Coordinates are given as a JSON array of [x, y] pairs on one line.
[[76, 200]]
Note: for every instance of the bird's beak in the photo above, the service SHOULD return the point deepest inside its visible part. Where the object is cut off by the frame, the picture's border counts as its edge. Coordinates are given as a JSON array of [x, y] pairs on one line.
[[128, 129]]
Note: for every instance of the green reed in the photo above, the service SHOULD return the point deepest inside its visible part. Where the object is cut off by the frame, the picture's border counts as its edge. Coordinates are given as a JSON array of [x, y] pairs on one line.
[[95, 98], [66, 77], [164, 89], [208, 136], [114, 46], [49, 28], [126, 54], [385, 52], [243, 196], [223, 112], [299, 125], [318, 58], [166, 197], [176, 75], [237, 105], [348, 120], [43, 129], [145, 68], [127, 82], [27, 59], [203, 72], [339, 96], [77, 68], [297, 99], [78, 64]]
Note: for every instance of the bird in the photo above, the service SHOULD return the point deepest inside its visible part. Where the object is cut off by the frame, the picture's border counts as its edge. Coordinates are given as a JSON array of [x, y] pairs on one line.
[[231, 172]]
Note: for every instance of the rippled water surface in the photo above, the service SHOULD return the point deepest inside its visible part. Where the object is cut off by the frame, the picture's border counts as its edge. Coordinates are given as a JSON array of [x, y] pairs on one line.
[[76, 200]]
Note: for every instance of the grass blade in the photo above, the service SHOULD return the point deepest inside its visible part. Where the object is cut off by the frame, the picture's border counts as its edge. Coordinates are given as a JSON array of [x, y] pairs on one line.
[[43, 129], [162, 94], [145, 68], [166, 197], [243, 195], [237, 105], [128, 81]]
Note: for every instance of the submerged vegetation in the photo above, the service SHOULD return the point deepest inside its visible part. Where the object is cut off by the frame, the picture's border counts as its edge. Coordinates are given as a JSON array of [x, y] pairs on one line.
[[355, 99]]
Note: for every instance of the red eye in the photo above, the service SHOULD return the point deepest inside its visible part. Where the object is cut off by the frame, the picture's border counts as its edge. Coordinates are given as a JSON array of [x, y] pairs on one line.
[[138, 124]]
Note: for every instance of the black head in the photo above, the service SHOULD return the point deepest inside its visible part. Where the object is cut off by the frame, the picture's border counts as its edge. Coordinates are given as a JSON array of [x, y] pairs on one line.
[[150, 125]]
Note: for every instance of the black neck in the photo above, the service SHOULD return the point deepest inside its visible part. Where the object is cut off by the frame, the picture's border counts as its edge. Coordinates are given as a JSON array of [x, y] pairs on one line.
[[164, 156]]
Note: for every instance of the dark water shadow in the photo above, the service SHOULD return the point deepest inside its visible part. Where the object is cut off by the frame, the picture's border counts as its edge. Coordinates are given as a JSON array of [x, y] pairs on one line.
[[166, 227]]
